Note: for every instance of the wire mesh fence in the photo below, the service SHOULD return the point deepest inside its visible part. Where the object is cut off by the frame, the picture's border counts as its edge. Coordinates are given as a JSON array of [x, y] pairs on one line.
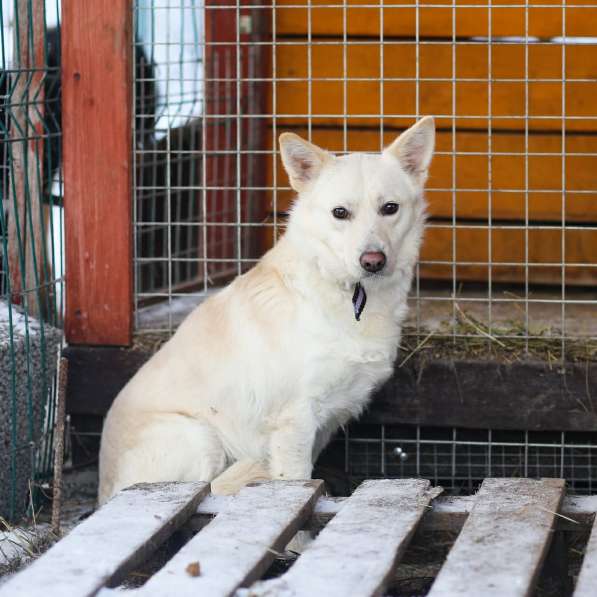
[[459, 459], [196, 172], [508, 267], [30, 245], [508, 263]]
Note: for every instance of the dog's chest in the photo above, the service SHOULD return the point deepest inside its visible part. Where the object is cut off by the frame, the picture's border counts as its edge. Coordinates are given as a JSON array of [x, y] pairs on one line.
[[344, 365]]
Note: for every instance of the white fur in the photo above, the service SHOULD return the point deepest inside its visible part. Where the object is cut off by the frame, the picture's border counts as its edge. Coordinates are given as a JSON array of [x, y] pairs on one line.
[[263, 373]]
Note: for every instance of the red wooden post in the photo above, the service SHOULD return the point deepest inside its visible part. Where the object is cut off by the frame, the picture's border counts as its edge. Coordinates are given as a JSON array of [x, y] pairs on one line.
[[97, 142], [229, 97]]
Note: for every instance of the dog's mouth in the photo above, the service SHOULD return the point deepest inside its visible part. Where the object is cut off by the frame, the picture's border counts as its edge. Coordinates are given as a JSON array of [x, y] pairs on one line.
[[379, 274]]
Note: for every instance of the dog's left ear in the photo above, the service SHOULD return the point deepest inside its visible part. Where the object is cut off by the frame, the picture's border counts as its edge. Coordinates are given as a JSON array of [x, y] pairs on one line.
[[302, 160], [414, 148]]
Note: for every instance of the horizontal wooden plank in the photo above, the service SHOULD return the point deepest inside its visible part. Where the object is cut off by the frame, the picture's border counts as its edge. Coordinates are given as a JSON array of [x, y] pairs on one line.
[[444, 246], [400, 20], [504, 540], [108, 544], [445, 513], [473, 104], [587, 579], [319, 81], [240, 543], [538, 394], [520, 186], [356, 552], [358, 58], [516, 395]]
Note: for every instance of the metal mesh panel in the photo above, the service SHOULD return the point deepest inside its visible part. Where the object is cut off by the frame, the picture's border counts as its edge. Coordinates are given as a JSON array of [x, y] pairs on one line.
[[508, 263], [459, 459], [190, 169], [508, 267], [30, 245]]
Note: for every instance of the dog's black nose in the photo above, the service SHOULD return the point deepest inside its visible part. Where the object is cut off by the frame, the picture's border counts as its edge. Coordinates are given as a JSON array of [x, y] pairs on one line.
[[373, 261]]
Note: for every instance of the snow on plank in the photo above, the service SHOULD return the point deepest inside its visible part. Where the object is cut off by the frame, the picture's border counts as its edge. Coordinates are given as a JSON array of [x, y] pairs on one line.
[[110, 542], [587, 579], [240, 543], [504, 540], [356, 552]]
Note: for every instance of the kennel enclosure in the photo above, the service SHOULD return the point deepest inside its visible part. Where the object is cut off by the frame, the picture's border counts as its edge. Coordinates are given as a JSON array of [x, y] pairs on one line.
[[511, 192], [502, 308]]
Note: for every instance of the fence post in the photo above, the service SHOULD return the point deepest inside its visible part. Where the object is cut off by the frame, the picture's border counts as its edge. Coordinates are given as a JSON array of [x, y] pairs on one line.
[[27, 265], [97, 139]]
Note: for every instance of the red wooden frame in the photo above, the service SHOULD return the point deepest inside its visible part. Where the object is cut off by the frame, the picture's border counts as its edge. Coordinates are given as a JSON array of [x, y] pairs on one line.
[[97, 142]]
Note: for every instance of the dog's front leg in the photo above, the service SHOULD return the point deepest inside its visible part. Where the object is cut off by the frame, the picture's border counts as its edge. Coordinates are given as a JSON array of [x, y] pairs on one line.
[[291, 448]]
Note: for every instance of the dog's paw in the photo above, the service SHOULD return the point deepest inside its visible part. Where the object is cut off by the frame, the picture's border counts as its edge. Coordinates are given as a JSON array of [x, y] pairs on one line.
[[225, 487], [235, 477]]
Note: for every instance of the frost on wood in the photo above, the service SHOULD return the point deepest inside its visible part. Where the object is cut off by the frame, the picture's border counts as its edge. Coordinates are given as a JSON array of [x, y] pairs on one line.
[[122, 533], [586, 585], [356, 552], [504, 540], [239, 544]]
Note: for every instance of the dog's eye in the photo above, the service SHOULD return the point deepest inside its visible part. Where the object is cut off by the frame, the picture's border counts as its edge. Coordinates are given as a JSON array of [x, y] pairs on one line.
[[389, 209], [340, 213]]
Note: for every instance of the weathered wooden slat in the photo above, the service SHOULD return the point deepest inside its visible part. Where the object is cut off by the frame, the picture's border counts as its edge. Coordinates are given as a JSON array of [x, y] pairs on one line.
[[356, 552], [586, 586], [111, 542], [445, 513], [504, 540], [542, 397], [240, 543]]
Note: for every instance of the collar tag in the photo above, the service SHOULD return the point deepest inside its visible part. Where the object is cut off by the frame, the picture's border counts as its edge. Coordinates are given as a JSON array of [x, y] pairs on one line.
[[359, 299]]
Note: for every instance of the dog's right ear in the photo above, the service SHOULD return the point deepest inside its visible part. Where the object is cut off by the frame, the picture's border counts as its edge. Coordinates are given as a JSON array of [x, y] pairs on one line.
[[414, 148], [302, 160]]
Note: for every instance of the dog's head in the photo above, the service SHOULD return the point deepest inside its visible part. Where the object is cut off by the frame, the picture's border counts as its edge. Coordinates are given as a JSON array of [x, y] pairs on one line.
[[360, 215]]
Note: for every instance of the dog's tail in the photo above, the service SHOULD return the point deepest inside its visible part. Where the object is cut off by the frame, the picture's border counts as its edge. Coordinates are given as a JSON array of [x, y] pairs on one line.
[[236, 476]]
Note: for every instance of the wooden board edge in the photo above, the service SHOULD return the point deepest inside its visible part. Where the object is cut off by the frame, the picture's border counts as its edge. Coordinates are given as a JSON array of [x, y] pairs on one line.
[[173, 524]]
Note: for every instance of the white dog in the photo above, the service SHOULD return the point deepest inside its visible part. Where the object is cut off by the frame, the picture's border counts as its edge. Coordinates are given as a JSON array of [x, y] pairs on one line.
[[260, 375]]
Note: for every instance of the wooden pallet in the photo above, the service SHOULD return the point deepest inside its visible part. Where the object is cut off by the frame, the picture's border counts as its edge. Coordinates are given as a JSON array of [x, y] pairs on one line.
[[504, 534]]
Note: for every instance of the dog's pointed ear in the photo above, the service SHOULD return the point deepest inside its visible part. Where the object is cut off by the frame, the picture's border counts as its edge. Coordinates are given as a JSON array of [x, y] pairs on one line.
[[414, 148], [302, 160]]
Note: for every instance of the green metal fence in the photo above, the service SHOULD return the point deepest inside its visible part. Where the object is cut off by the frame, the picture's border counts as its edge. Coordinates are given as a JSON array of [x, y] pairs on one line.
[[31, 283]]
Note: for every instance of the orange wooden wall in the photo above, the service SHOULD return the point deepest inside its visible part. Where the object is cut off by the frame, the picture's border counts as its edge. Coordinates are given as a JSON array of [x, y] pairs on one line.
[[507, 179]]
